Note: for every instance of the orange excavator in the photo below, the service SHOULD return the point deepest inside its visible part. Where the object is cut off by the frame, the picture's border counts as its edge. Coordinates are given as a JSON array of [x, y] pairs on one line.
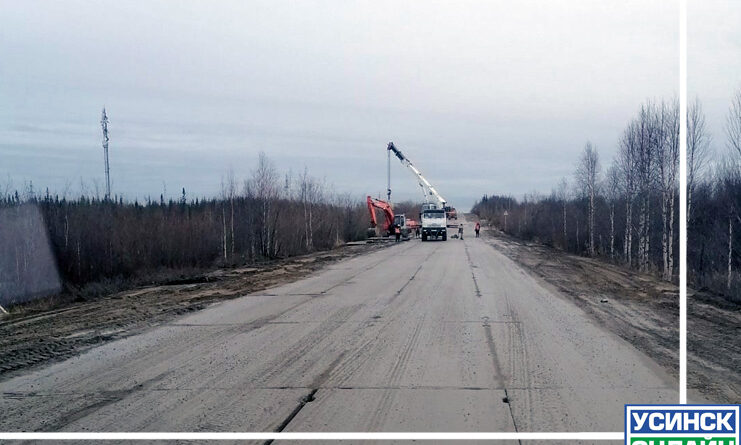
[[390, 220]]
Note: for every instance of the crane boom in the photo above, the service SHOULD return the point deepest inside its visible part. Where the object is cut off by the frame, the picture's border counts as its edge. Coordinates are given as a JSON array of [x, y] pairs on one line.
[[424, 183]]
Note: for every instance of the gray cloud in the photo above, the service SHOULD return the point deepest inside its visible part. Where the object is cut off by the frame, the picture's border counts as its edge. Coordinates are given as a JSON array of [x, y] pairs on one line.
[[483, 96]]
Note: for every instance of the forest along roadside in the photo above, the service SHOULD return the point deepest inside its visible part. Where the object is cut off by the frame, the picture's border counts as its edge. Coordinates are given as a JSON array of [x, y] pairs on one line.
[[34, 336], [644, 311]]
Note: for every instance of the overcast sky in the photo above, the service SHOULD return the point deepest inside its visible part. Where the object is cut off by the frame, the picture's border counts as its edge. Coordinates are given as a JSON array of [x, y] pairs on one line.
[[484, 97], [714, 62]]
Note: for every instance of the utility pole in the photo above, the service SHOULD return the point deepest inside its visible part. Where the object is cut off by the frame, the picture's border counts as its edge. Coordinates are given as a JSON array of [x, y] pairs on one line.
[[104, 125], [388, 176]]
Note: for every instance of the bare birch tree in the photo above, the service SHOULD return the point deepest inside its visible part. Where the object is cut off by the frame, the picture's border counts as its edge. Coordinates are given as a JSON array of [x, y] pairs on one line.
[[698, 146], [733, 125], [309, 193], [728, 188], [563, 195], [649, 137], [667, 164], [613, 194], [587, 176], [231, 193], [264, 185], [224, 194], [643, 182], [628, 161], [732, 176]]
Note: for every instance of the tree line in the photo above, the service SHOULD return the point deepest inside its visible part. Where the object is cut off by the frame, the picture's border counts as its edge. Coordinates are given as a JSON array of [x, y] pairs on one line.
[[714, 202], [262, 217], [628, 213]]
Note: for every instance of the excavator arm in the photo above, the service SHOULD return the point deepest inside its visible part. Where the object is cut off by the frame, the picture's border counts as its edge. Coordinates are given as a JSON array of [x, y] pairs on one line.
[[388, 213]]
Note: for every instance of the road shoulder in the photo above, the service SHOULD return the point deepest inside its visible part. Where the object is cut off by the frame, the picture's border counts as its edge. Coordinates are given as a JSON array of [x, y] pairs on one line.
[[642, 310]]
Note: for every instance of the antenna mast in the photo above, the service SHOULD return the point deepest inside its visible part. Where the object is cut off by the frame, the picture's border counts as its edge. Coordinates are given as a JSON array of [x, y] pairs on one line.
[[104, 125]]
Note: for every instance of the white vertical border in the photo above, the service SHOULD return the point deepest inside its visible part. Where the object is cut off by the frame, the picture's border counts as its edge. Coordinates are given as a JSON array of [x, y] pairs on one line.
[[683, 201]]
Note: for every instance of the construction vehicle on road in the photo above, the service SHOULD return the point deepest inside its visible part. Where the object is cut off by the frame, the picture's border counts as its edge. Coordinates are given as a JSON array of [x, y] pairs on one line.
[[434, 224], [391, 220], [427, 189], [434, 215]]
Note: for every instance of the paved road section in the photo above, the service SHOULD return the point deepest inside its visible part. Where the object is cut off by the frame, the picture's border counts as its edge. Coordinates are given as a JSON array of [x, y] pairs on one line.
[[434, 336]]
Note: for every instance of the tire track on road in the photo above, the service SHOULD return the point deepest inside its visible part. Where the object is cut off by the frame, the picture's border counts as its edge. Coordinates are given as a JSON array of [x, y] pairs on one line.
[[361, 354], [395, 376], [513, 323], [313, 338]]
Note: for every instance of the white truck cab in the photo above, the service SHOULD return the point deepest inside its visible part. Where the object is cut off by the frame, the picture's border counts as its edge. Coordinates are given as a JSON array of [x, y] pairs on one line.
[[434, 223]]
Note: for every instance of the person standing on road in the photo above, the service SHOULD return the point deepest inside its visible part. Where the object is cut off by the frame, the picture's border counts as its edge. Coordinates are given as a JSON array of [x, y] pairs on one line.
[[397, 232], [460, 231], [477, 228]]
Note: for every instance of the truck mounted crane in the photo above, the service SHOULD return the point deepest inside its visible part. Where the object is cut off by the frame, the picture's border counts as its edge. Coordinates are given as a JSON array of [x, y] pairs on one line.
[[427, 188], [434, 215]]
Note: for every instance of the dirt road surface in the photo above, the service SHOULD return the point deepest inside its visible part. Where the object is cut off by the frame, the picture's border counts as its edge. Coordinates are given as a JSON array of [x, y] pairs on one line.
[[433, 336]]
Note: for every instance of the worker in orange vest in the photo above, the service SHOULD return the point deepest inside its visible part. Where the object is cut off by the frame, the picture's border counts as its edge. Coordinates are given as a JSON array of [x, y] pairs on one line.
[[397, 232]]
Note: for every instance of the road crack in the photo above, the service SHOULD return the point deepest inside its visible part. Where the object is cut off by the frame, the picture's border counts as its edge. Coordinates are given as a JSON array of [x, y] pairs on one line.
[[508, 401], [302, 403], [473, 275], [310, 397]]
